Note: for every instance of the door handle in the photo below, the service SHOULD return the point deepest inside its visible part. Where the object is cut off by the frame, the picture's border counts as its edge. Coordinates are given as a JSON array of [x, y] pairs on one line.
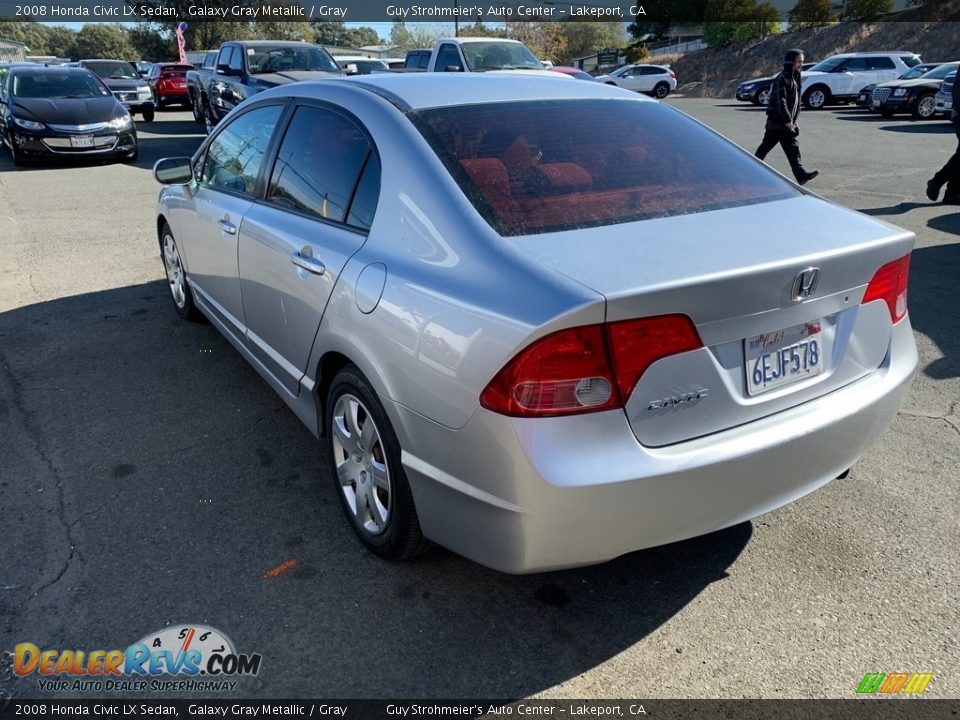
[[228, 227], [310, 264]]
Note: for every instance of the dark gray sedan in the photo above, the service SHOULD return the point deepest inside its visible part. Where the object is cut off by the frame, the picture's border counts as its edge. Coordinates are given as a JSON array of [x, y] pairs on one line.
[[542, 323]]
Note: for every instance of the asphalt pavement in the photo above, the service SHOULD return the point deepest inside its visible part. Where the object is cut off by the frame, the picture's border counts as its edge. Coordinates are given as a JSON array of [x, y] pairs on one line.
[[149, 477]]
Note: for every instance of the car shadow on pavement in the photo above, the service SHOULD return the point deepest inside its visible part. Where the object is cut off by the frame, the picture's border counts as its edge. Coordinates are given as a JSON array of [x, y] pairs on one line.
[[148, 476], [933, 276], [926, 127]]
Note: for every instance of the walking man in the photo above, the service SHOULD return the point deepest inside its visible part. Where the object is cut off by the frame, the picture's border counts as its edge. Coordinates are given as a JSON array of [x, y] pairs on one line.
[[782, 113], [949, 174]]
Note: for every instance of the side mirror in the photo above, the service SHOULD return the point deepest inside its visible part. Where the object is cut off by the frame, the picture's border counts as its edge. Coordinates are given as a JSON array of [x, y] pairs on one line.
[[223, 69], [351, 69], [453, 68], [173, 171]]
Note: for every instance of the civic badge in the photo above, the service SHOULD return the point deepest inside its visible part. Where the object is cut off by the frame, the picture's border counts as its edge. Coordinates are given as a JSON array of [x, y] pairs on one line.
[[805, 283]]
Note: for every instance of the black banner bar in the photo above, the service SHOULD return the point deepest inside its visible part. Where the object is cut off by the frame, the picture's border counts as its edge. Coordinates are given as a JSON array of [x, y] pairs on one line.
[[860, 709], [445, 11]]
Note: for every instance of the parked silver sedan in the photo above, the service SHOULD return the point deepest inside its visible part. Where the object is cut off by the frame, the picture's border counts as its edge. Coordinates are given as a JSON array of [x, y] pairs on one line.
[[538, 322]]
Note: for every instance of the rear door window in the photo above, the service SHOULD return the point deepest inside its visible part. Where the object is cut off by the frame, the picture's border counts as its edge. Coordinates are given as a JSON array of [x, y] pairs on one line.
[[538, 166], [319, 162], [880, 63]]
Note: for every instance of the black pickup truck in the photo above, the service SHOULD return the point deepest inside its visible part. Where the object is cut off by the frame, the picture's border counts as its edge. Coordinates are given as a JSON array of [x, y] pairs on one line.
[[240, 69]]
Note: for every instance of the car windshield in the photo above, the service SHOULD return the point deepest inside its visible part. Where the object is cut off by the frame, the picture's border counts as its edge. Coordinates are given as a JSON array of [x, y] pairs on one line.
[[939, 73], [57, 85], [538, 166], [915, 72], [113, 70], [828, 65], [266, 59], [482, 56]]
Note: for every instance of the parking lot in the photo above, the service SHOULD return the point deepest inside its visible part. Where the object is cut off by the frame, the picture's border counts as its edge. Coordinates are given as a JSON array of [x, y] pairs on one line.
[[149, 477]]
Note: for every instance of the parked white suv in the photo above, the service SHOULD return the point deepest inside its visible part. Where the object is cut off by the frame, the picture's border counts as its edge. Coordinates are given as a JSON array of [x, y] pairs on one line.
[[840, 78], [656, 80]]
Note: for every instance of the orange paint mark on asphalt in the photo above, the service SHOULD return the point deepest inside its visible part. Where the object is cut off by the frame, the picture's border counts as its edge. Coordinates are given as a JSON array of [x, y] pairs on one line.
[[280, 569]]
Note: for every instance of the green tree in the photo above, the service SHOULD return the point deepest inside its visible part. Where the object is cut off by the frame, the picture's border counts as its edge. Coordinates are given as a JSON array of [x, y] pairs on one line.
[[865, 10], [330, 32], [150, 44], [730, 21], [281, 30], [419, 35], [810, 14], [205, 35], [100, 40], [585, 38], [363, 36], [61, 41], [545, 39]]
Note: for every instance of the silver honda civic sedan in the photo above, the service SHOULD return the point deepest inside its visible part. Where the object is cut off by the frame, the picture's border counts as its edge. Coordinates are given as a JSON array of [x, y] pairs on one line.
[[540, 323]]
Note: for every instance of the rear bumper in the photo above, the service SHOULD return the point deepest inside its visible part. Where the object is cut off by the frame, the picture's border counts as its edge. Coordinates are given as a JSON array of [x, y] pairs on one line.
[[522, 495]]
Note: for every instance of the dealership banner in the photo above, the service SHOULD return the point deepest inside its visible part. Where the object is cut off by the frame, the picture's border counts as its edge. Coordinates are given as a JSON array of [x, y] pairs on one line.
[[447, 11], [554, 709]]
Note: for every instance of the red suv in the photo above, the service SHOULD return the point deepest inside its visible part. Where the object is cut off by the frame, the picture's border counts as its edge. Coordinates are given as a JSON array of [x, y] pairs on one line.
[[168, 82]]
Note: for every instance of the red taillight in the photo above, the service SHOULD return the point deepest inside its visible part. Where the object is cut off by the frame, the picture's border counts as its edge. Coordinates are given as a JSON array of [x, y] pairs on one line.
[[637, 344], [889, 284], [585, 369], [560, 374]]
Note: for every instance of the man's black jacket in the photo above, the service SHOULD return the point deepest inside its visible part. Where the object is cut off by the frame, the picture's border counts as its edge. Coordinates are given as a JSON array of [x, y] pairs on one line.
[[784, 106]]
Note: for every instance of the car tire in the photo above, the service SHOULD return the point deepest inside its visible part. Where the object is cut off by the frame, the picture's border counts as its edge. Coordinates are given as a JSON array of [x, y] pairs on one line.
[[15, 154], [180, 291], [926, 107], [196, 108], [661, 90], [816, 98], [365, 460], [149, 115], [161, 105], [763, 97], [208, 119]]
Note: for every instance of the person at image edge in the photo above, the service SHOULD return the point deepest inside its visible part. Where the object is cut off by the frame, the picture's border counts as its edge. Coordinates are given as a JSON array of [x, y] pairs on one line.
[[949, 174]]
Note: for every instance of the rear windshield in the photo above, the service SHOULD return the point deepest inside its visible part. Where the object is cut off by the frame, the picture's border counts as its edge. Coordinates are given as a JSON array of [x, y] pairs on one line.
[[539, 166], [175, 69]]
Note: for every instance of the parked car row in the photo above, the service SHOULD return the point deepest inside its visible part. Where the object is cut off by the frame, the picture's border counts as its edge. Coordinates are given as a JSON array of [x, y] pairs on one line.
[[883, 82]]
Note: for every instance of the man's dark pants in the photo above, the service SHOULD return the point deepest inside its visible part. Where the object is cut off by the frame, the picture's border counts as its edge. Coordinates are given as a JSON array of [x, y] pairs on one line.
[[791, 148], [949, 174]]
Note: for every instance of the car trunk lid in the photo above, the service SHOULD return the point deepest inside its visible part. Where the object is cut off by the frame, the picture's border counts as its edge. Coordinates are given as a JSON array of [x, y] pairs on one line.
[[737, 273]]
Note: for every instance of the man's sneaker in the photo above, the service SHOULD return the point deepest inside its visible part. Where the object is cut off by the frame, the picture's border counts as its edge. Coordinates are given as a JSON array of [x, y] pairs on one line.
[[933, 190], [809, 176]]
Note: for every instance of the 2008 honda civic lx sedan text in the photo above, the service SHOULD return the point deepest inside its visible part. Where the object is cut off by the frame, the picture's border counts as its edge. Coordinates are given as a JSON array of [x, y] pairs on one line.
[[540, 323]]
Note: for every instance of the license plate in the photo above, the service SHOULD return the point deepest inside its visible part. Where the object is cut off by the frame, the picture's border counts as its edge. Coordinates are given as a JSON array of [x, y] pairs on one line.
[[779, 358], [180, 84], [81, 141]]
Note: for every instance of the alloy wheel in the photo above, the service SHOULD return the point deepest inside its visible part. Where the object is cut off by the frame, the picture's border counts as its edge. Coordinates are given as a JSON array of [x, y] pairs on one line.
[[927, 107], [174, 269], [362, 470]]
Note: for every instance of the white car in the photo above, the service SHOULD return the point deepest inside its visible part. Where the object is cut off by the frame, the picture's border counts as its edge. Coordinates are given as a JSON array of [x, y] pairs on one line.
[[656, 80], [840, 78]]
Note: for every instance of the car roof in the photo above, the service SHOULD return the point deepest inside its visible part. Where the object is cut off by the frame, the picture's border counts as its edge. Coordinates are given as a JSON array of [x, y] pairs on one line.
[[478, 39], [416, 91], [878, 52], [36, 69], [271, 43]]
